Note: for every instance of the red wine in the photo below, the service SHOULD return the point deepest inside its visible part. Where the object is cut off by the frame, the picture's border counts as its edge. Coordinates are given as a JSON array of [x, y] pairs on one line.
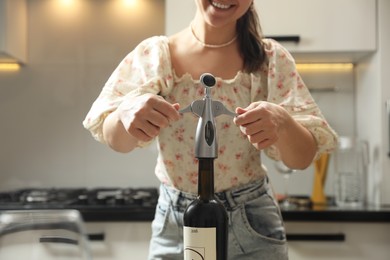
[[205, 220]]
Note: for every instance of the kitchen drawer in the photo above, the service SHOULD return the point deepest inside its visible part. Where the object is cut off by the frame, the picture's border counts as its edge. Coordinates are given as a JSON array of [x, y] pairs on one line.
[[307, 240], [338, 240], [119, 240]]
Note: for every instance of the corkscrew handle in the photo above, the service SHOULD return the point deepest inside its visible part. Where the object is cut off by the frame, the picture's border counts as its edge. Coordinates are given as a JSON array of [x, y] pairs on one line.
[[206, 109], [197, 106]]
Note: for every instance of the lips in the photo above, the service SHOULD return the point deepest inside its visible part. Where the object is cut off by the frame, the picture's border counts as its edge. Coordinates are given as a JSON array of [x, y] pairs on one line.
[[220, 5]]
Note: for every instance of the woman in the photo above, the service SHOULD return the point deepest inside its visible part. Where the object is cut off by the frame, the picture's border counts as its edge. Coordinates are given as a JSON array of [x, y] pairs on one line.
[[257, 79]]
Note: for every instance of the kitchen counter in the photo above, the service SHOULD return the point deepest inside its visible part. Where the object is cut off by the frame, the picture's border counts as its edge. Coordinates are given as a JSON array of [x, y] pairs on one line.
[[337, 214], [100, 213], [329, 214], [315, 214], [138, 204]]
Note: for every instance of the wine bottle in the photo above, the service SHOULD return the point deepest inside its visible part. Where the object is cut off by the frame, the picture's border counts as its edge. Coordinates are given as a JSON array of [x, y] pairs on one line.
[[205, 220]]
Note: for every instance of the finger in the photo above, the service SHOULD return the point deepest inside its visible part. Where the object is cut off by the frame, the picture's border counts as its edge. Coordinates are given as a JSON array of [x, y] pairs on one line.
[[167, 109], [262, 138], [157, 119], [140, 135], [143, 123], [252, 106], [262, 124], [239, 111], [252, 128], [265, 143], [258, 137], [176, 106], [246, 116]]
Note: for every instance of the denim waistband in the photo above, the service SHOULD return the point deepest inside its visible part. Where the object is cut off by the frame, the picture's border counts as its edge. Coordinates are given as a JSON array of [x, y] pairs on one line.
[[231, 199]]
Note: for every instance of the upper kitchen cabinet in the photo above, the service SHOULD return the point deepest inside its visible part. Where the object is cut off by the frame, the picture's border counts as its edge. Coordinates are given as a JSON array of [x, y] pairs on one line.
[[13, 31], [329, 30]]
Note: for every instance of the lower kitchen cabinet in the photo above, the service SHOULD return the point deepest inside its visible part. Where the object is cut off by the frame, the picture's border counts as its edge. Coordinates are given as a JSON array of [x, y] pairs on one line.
[[338, 240], [119, 240], [307, 240]]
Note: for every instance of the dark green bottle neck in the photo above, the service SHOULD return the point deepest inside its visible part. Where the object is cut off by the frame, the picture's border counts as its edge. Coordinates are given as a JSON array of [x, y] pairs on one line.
[[206, 178]]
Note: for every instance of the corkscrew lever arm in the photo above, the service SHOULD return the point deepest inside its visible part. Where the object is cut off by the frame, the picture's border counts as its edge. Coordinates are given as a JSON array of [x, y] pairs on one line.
[[197, 106], [206, 109]]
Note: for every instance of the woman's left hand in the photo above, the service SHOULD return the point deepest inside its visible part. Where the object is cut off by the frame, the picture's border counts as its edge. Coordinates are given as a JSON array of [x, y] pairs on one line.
[[262, 122]]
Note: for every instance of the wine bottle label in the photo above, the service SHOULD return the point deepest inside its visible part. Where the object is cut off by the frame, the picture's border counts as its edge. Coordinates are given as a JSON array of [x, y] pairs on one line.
[[200, 243]]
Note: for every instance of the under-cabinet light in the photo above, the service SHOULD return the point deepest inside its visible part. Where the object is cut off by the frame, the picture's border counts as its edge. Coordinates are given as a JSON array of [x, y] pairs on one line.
[[324, 66], [9, 66]]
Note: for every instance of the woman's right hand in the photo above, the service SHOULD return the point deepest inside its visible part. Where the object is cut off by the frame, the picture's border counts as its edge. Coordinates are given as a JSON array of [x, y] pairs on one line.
[[144, 116]]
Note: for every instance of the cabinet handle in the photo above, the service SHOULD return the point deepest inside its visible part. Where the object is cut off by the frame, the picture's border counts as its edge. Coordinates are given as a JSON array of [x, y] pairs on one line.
[[96, 237], [285, 38], [66, 240], [316, 237], [54, 239]]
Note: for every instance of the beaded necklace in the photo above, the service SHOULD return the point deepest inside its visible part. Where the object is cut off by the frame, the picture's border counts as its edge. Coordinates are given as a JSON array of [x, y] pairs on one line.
[[211, 45]]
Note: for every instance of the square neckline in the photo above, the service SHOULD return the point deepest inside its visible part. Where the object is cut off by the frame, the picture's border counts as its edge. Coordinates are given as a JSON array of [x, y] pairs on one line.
[[188, 76]]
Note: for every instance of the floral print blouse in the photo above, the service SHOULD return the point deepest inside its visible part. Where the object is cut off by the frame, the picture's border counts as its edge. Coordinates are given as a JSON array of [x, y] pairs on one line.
[[148, 69]]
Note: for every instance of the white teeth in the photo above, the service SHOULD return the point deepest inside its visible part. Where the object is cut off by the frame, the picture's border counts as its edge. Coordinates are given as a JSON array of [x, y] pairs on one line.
[[219, 5]]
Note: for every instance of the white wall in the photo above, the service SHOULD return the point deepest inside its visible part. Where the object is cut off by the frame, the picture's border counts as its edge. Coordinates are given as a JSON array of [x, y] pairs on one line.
[[373, 89], [72, 50], [181, 17], [384, 41]]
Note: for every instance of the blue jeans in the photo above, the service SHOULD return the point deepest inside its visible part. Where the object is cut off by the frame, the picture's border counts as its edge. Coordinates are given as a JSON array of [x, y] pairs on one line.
[[256, 228]]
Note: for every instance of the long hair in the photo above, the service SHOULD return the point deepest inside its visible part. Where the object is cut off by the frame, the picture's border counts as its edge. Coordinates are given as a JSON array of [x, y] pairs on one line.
[[250, 40]]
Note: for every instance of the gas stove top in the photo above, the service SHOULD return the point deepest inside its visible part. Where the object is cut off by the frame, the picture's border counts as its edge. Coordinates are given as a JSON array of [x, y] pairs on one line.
[[103, 200]]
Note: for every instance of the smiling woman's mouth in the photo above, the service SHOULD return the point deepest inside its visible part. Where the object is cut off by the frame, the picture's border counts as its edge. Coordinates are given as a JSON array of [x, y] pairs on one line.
[[220, 5]]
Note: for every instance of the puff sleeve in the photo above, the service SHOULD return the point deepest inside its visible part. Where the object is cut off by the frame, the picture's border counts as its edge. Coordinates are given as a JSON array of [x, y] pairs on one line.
[[146, 69], [286, 88]]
